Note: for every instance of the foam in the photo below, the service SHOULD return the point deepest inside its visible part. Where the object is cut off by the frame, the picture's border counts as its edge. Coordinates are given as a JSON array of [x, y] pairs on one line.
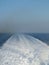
[[23, 49]]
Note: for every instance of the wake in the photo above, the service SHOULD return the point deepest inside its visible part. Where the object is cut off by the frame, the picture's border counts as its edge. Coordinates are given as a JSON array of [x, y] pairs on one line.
[[23, 49]]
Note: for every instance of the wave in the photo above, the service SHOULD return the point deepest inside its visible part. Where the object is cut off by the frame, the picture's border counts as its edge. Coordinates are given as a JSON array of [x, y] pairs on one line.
[[23, 49]]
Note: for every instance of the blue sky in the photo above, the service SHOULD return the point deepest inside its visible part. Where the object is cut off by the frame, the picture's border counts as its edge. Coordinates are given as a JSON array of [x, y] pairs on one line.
[[24, 16]]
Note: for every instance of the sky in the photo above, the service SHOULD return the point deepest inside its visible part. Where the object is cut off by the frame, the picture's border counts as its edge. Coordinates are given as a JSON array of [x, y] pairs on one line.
[[24, 16]]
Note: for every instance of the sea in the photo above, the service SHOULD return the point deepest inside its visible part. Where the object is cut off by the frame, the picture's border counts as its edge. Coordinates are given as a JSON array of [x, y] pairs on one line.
[[24, 49], [41, 36]]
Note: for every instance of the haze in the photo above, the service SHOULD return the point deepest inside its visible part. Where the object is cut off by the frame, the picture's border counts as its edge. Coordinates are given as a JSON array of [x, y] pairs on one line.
[[24, 16]]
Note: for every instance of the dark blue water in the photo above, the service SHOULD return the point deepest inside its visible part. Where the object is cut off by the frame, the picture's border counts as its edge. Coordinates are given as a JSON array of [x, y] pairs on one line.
[[4, 37], [41, 36]]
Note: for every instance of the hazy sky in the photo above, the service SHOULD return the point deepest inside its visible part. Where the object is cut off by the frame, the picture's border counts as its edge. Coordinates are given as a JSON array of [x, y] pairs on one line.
[[24, 16]]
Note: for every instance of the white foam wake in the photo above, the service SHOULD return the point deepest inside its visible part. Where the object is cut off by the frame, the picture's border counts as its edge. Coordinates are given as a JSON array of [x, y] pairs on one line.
[[23, 49]]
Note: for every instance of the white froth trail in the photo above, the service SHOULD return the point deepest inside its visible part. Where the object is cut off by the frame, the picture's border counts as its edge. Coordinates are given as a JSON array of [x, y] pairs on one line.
[[23, 49]]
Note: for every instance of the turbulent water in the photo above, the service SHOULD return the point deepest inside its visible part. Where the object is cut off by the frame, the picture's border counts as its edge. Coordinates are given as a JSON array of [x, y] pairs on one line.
[[23, 49]]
